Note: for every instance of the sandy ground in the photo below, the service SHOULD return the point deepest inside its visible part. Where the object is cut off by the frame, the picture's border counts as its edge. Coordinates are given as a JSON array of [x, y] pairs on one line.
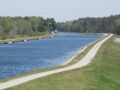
[[117, 40], [85, 61]]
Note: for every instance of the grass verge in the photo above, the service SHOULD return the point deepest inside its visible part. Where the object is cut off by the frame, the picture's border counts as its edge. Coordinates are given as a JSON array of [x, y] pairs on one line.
[[102, 74]]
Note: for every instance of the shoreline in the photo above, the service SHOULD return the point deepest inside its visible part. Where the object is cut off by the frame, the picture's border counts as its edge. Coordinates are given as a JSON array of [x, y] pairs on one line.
[[81, 50], [25, 39], [74, 56]]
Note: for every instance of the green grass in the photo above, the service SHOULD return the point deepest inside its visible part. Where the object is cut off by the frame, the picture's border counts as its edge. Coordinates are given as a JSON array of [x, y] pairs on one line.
[[102, 74]]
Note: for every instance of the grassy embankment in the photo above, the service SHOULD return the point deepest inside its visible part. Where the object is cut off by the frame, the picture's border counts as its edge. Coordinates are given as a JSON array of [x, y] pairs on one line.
[[102, 74]]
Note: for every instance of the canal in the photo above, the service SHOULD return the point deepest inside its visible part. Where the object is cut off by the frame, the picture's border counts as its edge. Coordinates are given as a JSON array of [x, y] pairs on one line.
[[22, 57]]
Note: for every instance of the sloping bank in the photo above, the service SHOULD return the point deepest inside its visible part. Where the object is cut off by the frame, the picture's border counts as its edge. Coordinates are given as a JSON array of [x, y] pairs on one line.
[[25, 39], [86, 60]]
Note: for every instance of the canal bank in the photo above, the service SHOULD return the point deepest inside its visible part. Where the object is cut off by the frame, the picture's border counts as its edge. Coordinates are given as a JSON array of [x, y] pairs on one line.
[[81, 50], [25, 39]]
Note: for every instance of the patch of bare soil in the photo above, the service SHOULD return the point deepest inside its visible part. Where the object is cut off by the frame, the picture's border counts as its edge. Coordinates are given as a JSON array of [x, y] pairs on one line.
[[117, 40]]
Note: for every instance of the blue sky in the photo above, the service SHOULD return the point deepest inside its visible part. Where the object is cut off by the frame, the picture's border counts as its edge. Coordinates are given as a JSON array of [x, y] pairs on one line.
[[61, 10]]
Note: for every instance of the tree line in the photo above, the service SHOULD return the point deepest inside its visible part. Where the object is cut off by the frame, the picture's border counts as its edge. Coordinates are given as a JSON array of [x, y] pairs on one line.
[[11, 27], [30, 26], [109, 24]]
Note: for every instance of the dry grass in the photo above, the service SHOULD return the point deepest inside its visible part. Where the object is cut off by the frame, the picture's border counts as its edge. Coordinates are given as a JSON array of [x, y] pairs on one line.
[[117, 40]]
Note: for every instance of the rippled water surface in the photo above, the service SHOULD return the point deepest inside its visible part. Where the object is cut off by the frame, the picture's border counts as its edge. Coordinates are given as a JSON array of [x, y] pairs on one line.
[[24, 57]]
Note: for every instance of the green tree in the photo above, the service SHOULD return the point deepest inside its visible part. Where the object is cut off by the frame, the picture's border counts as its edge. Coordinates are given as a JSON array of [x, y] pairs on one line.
[[6, 23], [117, 26], [51, 24]]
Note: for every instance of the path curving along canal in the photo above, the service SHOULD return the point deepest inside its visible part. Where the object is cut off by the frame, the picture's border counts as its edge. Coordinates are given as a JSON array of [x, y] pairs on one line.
[[86, 60]]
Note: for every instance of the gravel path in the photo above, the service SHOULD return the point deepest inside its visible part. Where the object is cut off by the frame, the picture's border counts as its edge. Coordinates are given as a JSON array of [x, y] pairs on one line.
[[85, 61]]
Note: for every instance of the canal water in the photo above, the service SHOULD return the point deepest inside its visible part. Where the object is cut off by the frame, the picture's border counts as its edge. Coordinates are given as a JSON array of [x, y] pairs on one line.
[[22, 57]]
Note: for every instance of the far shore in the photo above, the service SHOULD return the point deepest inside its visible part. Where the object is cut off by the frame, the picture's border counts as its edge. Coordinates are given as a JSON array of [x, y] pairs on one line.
[[25, 39], [30, 38]]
